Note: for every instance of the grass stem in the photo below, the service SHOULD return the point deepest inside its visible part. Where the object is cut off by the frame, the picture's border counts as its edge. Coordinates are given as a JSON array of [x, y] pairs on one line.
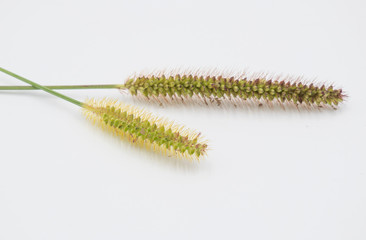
[[46, 89]]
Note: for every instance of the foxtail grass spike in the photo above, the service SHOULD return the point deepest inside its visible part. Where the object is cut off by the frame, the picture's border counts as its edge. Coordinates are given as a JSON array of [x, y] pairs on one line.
[[138, 126], [143, 129], [216, 88]]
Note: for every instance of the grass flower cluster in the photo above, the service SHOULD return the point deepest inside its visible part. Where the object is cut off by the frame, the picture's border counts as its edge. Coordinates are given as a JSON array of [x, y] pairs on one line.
[[217, 87], [154, 133], [145, 130]]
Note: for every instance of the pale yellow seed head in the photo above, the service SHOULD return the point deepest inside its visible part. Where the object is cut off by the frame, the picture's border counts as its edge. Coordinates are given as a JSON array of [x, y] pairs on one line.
[[145, 130]]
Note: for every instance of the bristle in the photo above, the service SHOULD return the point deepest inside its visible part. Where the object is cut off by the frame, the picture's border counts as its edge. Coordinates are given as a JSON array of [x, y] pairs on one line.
[[145, 130], [215, 88]]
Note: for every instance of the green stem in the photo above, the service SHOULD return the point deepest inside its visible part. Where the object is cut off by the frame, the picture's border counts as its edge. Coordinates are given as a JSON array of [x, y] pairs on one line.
[[46, 89], [61, 87]]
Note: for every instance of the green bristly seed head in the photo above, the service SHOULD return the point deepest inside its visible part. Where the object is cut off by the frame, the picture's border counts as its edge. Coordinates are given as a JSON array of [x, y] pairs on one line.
[[218, 87], [144, 130]]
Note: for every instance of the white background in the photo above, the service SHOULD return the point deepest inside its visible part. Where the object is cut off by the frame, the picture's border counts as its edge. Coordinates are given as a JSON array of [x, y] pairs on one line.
[[270, 174]]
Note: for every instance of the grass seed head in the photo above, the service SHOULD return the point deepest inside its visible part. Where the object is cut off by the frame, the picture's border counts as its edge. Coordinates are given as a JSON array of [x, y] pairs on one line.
[[216, 87], [145, 130]]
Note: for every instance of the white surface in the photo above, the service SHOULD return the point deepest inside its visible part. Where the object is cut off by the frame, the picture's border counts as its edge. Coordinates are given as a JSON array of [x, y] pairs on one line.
[[269, 174]]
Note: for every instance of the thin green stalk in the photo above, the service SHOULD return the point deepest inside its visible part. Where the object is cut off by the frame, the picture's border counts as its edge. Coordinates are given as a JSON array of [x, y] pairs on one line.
[[64, 87], [46, 89]]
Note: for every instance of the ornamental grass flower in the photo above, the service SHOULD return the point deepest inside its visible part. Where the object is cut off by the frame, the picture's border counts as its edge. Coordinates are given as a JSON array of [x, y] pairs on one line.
[[216, 88], [143, 129]]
